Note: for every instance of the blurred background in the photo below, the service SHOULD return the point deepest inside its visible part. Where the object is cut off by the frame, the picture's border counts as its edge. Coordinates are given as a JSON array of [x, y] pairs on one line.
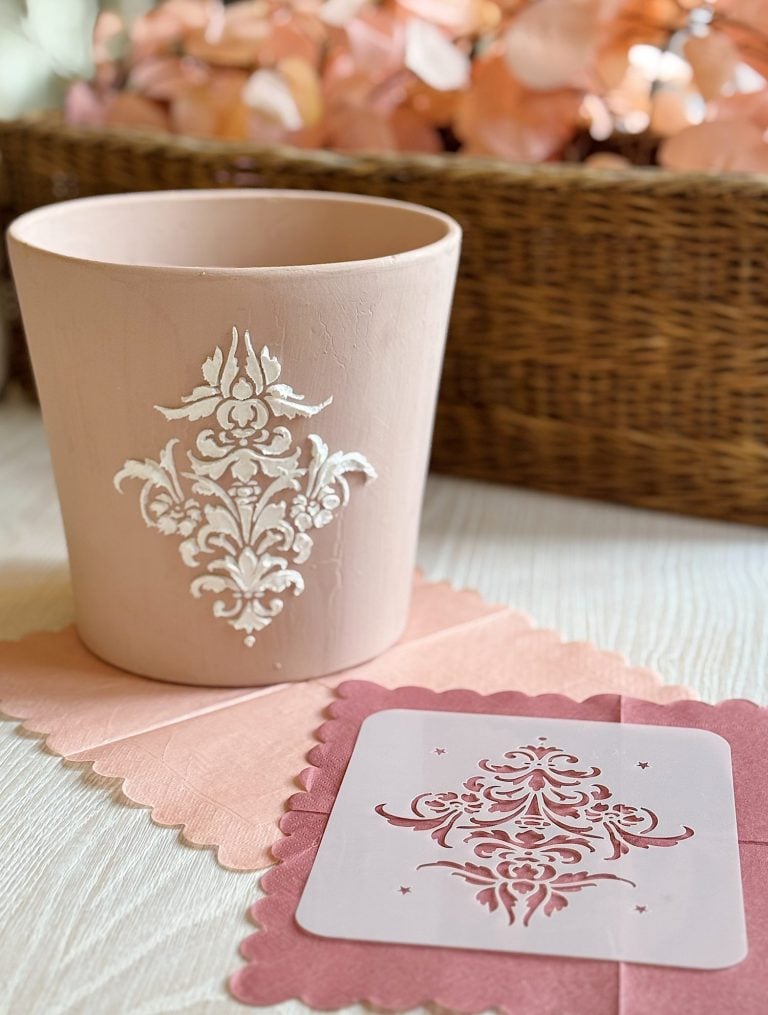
[[524, 80], [605, 158]]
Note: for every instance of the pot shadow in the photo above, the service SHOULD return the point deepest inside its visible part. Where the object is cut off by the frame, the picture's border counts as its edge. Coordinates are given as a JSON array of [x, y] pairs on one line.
[[34, 597]]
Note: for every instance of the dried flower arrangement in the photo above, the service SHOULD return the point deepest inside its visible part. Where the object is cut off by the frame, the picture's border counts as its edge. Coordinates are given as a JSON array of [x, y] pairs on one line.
[[523, 80]]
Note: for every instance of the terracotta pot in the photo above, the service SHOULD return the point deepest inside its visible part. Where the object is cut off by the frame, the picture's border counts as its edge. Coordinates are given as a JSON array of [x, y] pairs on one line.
[[238, 389]]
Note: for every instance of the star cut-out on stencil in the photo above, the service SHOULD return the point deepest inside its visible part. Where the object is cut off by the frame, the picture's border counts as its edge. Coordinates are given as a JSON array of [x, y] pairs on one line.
[[643, 764], [641, 909], [404, 890], [439, 750]]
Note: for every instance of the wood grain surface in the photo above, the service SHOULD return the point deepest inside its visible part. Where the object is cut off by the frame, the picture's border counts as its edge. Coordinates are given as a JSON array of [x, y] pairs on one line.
[[103, 912]]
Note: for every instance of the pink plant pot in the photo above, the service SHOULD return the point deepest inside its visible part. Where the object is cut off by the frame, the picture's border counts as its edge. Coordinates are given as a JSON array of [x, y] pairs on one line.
[[238, 389]]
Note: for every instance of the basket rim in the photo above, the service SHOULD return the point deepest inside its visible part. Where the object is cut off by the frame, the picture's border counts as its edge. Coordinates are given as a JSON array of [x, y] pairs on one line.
[[247, 155]]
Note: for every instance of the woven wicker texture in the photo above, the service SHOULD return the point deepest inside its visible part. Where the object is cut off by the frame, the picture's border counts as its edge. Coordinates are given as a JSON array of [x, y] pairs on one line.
[[610, 330]]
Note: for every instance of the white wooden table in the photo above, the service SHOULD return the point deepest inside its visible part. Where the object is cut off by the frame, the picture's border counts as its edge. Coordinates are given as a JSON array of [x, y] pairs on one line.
[[102, 912]]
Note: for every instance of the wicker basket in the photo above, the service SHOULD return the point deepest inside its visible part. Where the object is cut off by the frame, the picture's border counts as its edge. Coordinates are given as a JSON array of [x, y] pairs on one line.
[[610, 331]]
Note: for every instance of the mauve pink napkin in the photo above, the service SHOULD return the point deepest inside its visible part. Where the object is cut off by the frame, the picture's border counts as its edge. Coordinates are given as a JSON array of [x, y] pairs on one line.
[[286, 962]]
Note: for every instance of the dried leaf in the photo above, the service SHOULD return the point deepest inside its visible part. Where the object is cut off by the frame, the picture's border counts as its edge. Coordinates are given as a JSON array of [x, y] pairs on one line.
[[598, 116], [224, 50], [267, 92], [713, 59], [413, 133], [339, 12], [669, 112], [344, 85], [304, 83], [609, 65], [302, 37], [498, 116], [83, 106], [752, 107], [161, 31], [127, 109], [166, 77], [731, 145], [460, 17], [750, 13], [649, 22], [109, 37], [746, 24], [231, 36], [355, 130], [433, 58], [550, 43], [215, 109], [607, 160], [376, 43], [438, 108]]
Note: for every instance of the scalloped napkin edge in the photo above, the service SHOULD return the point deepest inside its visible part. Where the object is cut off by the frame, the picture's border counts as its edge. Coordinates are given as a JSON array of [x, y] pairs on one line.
[[286, 962]]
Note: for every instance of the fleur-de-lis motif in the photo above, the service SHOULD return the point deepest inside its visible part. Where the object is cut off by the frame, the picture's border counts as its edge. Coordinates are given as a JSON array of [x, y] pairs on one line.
[[554, 815], [246, 505]]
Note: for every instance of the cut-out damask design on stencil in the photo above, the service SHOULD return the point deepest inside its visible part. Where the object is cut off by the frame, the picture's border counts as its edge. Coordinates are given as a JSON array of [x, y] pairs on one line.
[[246, 502], [532, 817]]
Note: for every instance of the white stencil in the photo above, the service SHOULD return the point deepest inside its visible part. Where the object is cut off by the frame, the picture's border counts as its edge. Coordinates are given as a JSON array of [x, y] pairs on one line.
[[549, 836]]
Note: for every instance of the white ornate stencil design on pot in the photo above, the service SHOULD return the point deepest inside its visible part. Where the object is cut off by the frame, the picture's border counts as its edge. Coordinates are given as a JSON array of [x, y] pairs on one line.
[[247, 501]]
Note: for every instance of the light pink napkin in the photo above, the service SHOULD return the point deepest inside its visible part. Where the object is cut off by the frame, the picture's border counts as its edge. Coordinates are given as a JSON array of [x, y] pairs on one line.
[[286, 962], [220, 762]]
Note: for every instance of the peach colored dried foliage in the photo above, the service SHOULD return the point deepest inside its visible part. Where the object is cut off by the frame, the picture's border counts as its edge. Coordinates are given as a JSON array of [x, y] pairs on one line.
[[524, 80]]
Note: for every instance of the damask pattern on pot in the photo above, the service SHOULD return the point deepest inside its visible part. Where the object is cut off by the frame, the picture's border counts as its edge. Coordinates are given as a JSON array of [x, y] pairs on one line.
[[246, 502]]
